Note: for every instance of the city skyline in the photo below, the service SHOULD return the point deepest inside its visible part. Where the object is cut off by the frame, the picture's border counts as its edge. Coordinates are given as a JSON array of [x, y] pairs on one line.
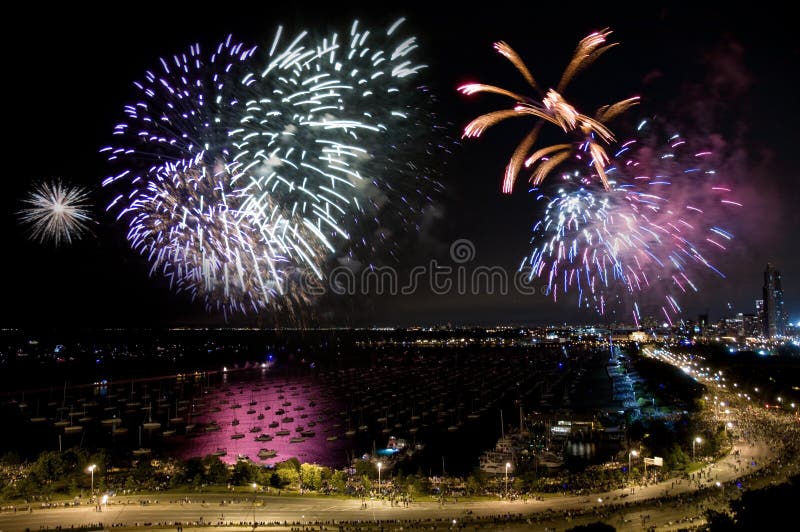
[[719, 77]]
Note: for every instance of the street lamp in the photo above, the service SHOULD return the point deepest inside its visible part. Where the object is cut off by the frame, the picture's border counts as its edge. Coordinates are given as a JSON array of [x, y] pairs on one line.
[[507, 466], [380, 465], [694, 441], [254, 504], [632, 453], [91, 469]]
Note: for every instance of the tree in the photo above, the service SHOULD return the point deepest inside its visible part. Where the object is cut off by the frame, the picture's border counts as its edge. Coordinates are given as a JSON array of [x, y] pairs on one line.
[[11, 458], [143, 472], [476, 483], [339, 481], [243, 473], [769, 508], [288, 476], [275, 480], [366, 468], [216, 472], [193, 467], [719, 521], [311, 476]]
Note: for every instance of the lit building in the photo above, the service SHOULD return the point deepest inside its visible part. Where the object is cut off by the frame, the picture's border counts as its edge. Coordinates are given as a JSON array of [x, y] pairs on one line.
[[760, 315], [774, 317]]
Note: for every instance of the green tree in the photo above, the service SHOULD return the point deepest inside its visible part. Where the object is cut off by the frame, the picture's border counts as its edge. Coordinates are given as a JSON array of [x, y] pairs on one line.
[[476, 484], [144, 473], [339, 481], [275, 480], [192, 468], [11, 459], [288, 476], [366, 468], [311, 476], [243, 473], [216, 472]]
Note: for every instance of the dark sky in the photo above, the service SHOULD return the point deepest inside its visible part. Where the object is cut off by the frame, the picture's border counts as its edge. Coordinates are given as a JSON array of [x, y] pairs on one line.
[[716, 73]]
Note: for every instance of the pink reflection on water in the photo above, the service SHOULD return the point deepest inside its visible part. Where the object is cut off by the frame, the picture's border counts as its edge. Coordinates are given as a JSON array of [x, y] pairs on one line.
[[310, 415]]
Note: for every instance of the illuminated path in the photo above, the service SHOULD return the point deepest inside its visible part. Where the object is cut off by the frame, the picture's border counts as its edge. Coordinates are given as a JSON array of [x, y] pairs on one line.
[[298, 509]]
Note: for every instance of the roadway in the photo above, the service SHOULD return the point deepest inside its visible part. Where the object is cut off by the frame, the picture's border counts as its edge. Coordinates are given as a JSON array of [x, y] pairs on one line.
[[127, 511]]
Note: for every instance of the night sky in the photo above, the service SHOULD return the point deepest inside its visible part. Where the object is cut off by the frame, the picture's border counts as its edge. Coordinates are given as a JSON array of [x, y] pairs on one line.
[[717, 74]]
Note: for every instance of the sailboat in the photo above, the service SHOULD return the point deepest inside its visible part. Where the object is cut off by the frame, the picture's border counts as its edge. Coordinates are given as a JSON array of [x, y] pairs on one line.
[[350, 432], [282, 431], [150, 424], [141, 451]]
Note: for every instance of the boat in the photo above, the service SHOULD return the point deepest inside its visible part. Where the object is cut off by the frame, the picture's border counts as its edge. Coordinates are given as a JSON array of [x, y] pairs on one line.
[[307, 433], [267, 453], [169, 432], [141, 451], [221, 451], [282, 432], [263, 437], [550, 460], [237, 435], [255, 429], [260, 416], [274, 425], [332, 438], [251, 411], [297, 439], [234, 422]]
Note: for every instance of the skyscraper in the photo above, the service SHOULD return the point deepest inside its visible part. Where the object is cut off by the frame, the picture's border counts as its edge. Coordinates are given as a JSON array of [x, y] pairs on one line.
[[774, 318]]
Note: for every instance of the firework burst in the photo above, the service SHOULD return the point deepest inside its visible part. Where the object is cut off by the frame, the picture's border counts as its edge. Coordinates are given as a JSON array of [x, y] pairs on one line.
[[646, 237], [56, 212], [553, 108], [328, 131], [244, 168]]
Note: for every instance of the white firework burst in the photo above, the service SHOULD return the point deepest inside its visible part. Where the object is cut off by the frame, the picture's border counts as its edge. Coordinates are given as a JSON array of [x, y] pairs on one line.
[[56, 213]]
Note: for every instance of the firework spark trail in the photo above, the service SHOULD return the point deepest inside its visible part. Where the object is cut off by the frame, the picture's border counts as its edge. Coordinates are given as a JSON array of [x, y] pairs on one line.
[[550, 106], [56, 212], [245, 167], [183, 212], [658, 225], [327, 133]]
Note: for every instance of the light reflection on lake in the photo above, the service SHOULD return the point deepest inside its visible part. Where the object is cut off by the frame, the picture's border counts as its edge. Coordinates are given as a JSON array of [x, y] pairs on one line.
[[299, 415]]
